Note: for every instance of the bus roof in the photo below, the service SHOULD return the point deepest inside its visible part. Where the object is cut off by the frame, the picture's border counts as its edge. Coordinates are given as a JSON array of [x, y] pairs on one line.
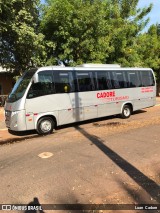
[[94, 67], [99, 65]]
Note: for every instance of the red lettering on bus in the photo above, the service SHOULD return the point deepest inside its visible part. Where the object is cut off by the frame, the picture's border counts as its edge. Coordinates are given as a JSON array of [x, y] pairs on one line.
[[106, 94]]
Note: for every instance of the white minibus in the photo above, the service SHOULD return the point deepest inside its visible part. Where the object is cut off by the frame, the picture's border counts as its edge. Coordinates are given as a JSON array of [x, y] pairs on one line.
[[47, 97]]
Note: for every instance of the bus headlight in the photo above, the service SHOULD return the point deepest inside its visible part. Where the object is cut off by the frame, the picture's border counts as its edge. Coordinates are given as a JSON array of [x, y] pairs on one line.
[[15, 113]]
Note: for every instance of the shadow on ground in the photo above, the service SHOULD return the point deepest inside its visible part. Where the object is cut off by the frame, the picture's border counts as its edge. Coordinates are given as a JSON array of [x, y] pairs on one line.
[[147, 184], [112, 118], [22, 133], [25, 135]]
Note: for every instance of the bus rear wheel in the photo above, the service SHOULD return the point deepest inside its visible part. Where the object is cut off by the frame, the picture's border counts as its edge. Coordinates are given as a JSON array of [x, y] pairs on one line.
[[45, 126], [126, 111]]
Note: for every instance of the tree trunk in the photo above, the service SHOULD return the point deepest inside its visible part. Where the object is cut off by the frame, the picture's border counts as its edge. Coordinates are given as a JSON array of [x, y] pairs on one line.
[[158, 89]]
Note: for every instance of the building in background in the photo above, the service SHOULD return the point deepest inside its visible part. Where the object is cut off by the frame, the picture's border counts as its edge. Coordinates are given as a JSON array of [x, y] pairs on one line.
[[6, 81]]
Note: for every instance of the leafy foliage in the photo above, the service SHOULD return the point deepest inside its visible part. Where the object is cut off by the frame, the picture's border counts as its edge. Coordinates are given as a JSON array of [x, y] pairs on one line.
[[21, 43], [79, 30], [148, 48], [75, 32], [94, 31]]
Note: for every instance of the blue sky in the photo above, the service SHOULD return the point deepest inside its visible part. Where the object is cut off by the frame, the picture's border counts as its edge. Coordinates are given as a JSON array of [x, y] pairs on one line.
[[154, 15]]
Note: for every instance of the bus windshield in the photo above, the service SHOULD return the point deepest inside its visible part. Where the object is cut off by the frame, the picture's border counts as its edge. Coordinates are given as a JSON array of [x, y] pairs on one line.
[[21, 86]]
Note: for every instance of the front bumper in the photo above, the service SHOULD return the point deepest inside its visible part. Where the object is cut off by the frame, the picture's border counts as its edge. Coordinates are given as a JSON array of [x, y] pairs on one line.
[[15, 120]]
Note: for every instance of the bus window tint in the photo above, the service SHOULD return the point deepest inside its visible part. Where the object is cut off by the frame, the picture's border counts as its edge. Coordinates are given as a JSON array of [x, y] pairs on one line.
[[85, 82], [121, 79], [103, 80], [46, 82], [151, 79], [147, 78], [95, 81], [114, 80], [45, 76], [71, 82], [44, 86], [64, 82], [133, 79]]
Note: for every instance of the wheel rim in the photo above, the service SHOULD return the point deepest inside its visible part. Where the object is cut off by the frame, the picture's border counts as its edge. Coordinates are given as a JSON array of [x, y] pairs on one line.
[[46, 126], [126, 112]]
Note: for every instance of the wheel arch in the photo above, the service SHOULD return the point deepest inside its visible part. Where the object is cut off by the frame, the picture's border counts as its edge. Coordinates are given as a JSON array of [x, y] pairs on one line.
[[48, 116], [128, 104]]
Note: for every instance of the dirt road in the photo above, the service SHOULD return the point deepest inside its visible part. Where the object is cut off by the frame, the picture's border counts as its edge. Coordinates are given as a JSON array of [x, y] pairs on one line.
[[109, 161]]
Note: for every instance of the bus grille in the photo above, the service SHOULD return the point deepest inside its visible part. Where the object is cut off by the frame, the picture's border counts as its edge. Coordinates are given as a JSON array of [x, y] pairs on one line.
[[7, 118]]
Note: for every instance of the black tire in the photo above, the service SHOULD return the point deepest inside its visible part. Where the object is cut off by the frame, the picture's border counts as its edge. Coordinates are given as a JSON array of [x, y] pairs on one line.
[[45, 126], [126, 112]]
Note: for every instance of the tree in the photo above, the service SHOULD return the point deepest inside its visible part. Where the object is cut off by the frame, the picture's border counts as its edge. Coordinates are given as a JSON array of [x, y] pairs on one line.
[[148, 47], [127, 21], [79, 29], [21, 44], [72, 31], [93, 31]]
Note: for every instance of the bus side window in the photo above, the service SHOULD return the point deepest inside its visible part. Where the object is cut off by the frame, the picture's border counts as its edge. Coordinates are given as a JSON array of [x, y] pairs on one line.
[[64, 82], [109, 82], [114, 80], [71, 82], [95, 80], [151, 79], [147, 78], [121, 79], [133, 79], [45, 78], [103, 80], [44, 86], [85, 82]]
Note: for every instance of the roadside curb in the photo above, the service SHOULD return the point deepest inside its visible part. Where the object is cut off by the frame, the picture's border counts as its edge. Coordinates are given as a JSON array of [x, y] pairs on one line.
[[16, 139], [6, 137]]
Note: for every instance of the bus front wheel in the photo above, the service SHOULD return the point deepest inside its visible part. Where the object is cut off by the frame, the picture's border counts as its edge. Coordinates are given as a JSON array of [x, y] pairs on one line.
[[126, 111], [45, 126]]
